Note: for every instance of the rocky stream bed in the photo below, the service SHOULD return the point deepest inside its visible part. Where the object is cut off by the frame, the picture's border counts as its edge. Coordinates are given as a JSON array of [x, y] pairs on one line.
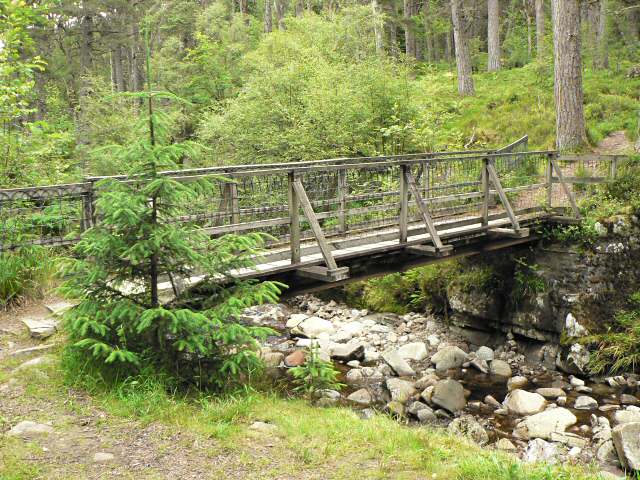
[[497, 389]]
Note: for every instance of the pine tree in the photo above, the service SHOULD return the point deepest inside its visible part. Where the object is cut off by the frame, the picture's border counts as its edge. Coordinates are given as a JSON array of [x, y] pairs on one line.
[[119, 262]]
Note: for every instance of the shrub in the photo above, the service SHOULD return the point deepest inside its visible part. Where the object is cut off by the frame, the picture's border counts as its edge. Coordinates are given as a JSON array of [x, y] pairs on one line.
[[24, 273], [527, 281], [315, 375]]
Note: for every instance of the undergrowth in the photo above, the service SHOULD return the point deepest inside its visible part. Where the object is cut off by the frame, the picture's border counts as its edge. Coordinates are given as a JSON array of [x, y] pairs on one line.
[[25, 273]]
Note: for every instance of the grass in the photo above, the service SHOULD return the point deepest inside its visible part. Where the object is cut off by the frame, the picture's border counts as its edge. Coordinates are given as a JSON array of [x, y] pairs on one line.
[[329, 442]]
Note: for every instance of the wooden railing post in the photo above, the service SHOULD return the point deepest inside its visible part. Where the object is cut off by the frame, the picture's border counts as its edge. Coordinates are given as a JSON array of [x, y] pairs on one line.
[[342, 200], [294, 220], [404, 204], [88, 199], [234, 203], [614, 167], [549, 180], [486, 193]]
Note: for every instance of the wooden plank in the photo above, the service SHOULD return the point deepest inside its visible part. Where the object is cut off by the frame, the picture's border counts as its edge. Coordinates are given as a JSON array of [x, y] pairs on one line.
[[567, 192], [313, 222], [294, 221], [581, 180], [493, 175], [562, 220], [430, 250]]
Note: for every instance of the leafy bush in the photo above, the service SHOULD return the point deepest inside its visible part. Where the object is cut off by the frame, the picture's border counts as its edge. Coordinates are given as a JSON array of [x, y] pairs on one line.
[[315, 375], [24, 273], [527, 281]]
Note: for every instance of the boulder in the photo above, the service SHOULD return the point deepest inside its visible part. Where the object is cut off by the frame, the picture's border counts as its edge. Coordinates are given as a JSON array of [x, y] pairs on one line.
[[606, 453], [573, 359], [41, 328], [414, 407], [627, 399], [427, 380], [485, 353], [28, 430], [398, 364], [416, 351], [626, 416], [543, 424], [361, 397], [551, 392], [505, 444], [395, 408], [524, 403], [296, 319], [427, 416], [272, 359], [584, 402], [345, 352], [469, 427], [573, 328], [449, 394], [500, 368], [480, 364], [295, 359], [313, 327], [449, 357], [517, 382], [626, 439], [103, 457], [401, 390], [540, 451], [354, 377]]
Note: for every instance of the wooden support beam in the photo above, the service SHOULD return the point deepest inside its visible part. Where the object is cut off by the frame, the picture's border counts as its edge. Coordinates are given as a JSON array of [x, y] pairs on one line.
[[493, 175], [325, 248], [567, 192], [234, 203], [548, 175], [294, 221], [424, 211], [430, 250], [508, 232], [324, 274]]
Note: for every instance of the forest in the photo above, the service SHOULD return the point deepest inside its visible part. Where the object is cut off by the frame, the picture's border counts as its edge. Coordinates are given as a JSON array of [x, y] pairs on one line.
[[141, 187], [300, 81]]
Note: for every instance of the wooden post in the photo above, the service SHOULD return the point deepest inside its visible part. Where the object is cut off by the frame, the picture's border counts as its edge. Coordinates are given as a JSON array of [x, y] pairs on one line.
[[484, 208], [234, 203], [549, 180], [342, 199], [294, 221], [424, 211], [614, 167], [404, 204], [87, 219], [493, 175]]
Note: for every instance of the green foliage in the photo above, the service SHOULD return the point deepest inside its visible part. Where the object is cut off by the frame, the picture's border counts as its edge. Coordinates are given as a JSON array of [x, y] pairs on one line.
[[315, 375], [25, 273], [527, 281], [618, 348], [120, 320]]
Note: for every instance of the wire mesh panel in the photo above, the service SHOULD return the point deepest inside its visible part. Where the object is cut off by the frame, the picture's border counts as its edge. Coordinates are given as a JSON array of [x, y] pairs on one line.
[[523, 178], [53, 215], [581, 176]]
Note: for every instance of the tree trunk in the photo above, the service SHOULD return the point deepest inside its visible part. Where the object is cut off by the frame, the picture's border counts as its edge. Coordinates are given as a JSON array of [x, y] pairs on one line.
[[390, 24], [540, 28], [493, 35], [409, 34], [527, 16], [570, 125], [268, 16], [118, 70], [281, 7], [137, 58], [428, 34], [447, 46], [378, 27], [602, 55], [463, 56], [299, 8], [82, 122]]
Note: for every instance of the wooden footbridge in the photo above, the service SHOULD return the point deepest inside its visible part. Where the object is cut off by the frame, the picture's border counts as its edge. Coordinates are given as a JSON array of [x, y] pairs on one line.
[[329, 215]]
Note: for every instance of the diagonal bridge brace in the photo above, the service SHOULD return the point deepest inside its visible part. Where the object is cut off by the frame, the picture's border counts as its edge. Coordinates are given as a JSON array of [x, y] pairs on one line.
[[515, 231], [330, 273], [438, 249]]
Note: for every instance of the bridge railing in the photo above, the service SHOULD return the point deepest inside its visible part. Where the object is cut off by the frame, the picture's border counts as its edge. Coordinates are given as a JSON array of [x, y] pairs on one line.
[[360, 200]]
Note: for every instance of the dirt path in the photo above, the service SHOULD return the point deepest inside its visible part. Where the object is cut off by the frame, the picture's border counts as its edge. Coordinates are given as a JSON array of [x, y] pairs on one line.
[[87, 442], [615, 143]]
